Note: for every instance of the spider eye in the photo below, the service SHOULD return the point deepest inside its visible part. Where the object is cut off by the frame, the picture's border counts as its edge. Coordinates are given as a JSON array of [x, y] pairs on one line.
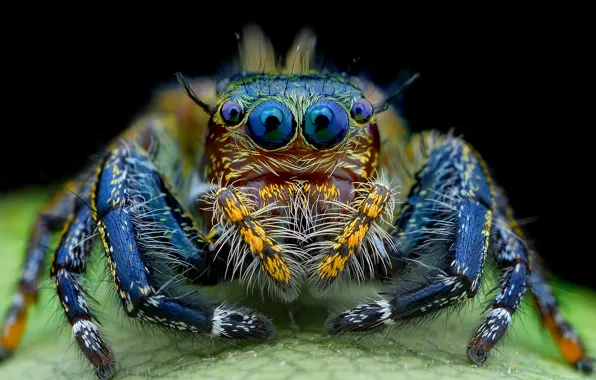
[[231, 112], [362, 111], [326, 123], [271, 125]]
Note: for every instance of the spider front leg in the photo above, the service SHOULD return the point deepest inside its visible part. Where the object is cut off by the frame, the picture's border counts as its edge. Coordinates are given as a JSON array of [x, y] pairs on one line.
[[454, 208], [448, 215], [146, 237]]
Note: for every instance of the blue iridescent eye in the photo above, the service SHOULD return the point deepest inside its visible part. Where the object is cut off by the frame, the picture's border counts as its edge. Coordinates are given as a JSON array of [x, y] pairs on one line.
[[271, 125], [362, 111], [231, 112], [325, 124]]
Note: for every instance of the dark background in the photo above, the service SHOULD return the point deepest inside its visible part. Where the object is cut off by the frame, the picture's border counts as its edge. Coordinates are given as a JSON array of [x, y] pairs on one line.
[[514, 94]]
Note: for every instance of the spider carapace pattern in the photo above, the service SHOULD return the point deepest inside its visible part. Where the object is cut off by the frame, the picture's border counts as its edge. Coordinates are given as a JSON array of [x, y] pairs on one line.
[[287, 179]]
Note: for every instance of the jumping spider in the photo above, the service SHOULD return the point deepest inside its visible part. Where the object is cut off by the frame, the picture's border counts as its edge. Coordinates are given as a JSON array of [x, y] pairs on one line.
[[282, 177]]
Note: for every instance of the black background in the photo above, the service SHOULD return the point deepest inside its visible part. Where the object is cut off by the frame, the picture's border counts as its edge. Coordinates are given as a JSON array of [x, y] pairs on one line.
[[514, 93]]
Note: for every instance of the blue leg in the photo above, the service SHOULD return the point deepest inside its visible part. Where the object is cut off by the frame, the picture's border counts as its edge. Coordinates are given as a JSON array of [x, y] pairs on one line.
[[447, 216], [52, 219], [510, 254], [68, 266], [146, 236], [450, 210], [566, 338]]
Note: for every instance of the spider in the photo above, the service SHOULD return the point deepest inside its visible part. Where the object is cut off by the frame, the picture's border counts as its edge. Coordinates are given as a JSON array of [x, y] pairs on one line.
[[286, 178]]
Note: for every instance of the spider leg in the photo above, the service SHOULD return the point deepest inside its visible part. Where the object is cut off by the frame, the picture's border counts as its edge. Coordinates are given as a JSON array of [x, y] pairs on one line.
[[52, 218], [511, 257], [141, 223], [563, 333], [448, 211], [565, 336], [68, 266]]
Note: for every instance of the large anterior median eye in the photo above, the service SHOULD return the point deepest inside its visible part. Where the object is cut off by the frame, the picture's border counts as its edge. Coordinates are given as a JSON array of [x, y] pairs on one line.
[[271, 125], [325, 124]]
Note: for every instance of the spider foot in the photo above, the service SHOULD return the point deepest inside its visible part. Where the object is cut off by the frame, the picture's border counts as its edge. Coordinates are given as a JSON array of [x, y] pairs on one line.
[[478, 354], [106, 371], [363, 317], [585, 364], [240, 323], [4, 353]]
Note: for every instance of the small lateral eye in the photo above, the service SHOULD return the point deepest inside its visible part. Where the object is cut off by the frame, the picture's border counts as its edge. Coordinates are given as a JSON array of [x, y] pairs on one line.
[[231, 112], [362, 111]]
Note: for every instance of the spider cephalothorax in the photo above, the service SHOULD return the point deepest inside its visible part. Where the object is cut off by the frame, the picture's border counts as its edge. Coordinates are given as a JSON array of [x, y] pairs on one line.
[[286, 178], [297, 154]]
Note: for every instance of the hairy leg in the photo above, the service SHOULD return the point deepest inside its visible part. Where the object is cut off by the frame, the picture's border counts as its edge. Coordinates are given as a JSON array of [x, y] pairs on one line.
[[68, 265], [511, 257], [231, 207], [449, 210], [563, 333], [359, 226], [144, 229], [52, 218]]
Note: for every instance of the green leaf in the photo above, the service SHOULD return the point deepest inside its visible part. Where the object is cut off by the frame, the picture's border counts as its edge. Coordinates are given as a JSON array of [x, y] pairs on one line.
[[300, 349]]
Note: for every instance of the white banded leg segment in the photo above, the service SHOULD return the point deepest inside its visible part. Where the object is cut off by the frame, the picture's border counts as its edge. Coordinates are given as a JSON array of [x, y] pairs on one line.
[[361, 318], [511, 257], [94, 347], [240, 323], [490, 331]]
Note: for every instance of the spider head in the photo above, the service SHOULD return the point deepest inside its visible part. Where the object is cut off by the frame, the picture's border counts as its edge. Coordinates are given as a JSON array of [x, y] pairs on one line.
[[299, 124], [284, 112]]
